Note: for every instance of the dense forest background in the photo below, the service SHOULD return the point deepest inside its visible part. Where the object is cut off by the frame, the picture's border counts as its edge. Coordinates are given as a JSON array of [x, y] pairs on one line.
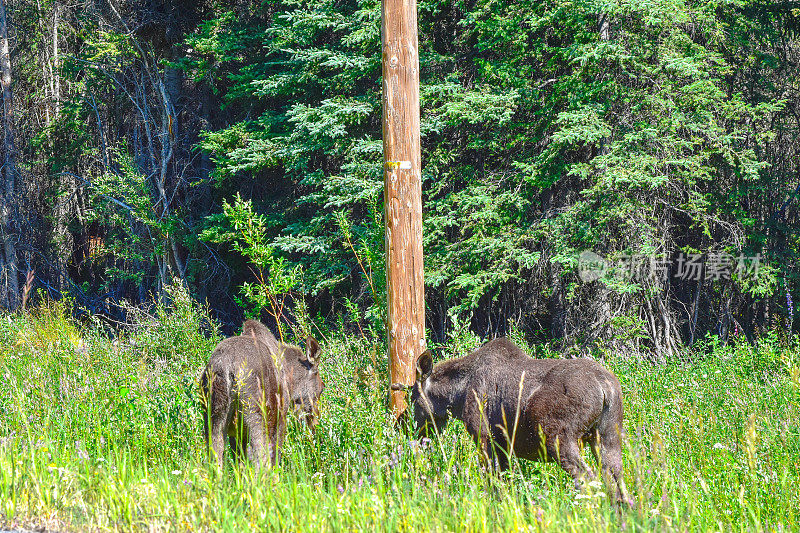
[[236, 147]]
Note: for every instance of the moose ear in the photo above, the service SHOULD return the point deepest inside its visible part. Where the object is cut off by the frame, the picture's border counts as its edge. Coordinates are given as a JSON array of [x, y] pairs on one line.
[[312, 350], [424, 365]]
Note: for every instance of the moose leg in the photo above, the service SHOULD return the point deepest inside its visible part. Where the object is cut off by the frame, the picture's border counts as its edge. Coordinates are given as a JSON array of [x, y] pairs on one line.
[[484, 443], [276, 442], [273, 449], [610, 458], [216, 436], [257, 450], [480, 434], [478, 427], [218, 444], [501, 451], [565, 449], [271, 430], [493, 455], [217, 416]]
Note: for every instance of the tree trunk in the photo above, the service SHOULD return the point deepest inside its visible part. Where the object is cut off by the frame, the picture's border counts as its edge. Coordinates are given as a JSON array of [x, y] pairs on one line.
[[55, 73], [9, 292], [603, 27], [66, 184]]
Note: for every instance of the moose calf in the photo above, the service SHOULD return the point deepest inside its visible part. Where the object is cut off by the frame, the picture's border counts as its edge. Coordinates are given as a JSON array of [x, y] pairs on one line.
[[540, 409], [247, 387]]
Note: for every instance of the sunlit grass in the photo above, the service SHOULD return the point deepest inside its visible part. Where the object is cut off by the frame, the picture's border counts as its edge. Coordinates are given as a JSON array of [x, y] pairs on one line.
[[102, 432]]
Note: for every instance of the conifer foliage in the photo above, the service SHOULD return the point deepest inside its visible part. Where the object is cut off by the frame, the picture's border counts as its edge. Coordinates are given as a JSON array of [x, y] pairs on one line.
[[649, 134]]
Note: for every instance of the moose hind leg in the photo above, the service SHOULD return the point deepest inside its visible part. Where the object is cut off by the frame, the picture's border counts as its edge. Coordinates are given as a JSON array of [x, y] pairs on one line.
[[277, 431], [611, 464], [568, 454], [260, 450], [216, 418], [216, 436]]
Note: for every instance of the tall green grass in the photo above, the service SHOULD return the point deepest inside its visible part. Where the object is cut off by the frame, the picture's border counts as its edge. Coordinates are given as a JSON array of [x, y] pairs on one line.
[[103, 432]]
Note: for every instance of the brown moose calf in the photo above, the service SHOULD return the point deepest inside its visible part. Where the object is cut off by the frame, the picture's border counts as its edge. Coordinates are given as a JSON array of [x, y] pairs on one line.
[[540, 409], [247, 387]]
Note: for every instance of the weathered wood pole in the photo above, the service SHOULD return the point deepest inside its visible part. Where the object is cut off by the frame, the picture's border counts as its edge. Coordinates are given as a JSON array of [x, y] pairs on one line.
[[402, 194], [9, 283]]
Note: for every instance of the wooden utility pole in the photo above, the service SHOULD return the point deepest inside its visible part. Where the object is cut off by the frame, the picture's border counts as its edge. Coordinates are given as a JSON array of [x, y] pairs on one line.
[[402, 194], [9, 284]]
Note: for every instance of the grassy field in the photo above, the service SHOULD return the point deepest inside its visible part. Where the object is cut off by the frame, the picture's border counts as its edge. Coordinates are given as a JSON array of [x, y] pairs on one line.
[[103, 432]]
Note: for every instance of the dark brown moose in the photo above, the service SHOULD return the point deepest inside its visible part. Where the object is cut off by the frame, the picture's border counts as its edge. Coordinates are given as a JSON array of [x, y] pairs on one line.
[[542, 409], [247, 387]]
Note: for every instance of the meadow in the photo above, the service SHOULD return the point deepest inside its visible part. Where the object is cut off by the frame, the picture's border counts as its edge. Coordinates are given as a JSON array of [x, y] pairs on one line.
[[100, 430]]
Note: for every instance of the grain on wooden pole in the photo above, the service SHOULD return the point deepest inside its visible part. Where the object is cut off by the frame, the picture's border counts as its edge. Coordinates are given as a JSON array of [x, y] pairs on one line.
[[9, 283], [402, 193]]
